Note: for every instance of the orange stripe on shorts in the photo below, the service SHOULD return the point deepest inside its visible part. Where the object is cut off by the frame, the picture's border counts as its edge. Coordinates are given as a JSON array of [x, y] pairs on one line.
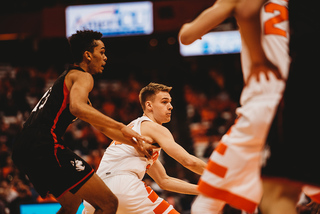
[[163, 206], [234, 200], [153, 196], [173, 211], [149, 190], [221, 148], [216, 169]]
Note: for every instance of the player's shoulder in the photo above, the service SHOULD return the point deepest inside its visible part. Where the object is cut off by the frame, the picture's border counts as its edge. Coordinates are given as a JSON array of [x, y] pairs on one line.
[[76, 75], [152, 128]]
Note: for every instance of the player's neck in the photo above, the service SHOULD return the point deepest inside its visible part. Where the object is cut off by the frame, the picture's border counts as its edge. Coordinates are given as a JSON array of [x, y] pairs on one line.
[[84, 66], [151, 117]]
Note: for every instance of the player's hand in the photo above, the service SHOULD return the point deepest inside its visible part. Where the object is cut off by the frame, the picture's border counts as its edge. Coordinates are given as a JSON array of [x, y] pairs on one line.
[[137, 140], [149, 148], [263, 68], [314, 207]]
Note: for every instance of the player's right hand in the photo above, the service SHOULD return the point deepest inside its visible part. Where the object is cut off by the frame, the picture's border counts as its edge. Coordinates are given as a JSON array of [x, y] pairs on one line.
[[139, 141]]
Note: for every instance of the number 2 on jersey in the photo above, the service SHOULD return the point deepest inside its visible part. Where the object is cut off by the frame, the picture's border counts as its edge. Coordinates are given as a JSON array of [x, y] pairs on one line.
[[270, 25]]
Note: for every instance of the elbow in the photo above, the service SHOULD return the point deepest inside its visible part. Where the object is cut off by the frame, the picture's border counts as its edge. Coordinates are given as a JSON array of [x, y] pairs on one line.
[[189, 162], [75, 110], [162, 184], [185, 39]]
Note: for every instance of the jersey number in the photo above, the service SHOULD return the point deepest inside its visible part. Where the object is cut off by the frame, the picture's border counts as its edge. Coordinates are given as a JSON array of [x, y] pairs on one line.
[[42, 101], [270, 25]]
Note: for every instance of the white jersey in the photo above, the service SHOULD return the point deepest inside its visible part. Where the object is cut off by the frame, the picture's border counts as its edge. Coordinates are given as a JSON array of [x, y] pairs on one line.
[[122, 158], [275, 39], [233, 171]]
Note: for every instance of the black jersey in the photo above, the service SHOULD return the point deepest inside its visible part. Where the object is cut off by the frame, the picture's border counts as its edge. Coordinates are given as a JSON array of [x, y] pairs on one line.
[[52, 112], [39, 151]]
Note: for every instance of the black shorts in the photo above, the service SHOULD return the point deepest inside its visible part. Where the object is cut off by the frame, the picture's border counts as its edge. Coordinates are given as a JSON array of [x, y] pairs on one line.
[[294, 135], [50, 170]]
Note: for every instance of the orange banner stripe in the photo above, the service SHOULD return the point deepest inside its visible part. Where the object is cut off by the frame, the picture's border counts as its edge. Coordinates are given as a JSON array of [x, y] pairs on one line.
[[223, 195], [216, 169], [163, 206]]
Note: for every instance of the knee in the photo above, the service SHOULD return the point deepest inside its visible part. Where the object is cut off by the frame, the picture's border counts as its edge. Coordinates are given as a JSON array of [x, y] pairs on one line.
[[110, 206], [114, 204], [68, 209]]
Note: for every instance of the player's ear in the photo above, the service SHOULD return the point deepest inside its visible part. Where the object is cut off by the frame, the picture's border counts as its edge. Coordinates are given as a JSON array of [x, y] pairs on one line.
[[148, 105], [87, 55]]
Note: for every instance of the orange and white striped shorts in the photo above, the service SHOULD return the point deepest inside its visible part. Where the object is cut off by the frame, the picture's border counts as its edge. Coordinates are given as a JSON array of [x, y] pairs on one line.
[[233, 171], [134, 197]]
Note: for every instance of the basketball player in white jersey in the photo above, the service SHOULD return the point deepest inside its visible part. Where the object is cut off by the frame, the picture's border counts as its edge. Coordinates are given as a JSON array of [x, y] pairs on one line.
[[233, 172], [122, 168]]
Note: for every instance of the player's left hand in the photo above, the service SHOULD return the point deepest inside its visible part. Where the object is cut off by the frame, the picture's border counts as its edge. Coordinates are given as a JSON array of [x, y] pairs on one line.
[[263, 68]]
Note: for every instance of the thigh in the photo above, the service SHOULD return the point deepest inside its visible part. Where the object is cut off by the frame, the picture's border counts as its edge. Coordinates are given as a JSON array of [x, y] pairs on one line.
[[96, 193], [280, 196], [69, 203]]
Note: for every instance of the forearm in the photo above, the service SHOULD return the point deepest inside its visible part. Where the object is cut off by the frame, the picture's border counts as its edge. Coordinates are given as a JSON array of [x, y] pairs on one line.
[[115, 134], [195, 165], [91, 115], [178, 186], [206, 21]]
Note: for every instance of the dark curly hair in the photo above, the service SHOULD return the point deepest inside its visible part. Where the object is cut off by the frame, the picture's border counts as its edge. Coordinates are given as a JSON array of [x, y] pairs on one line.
[[82, 41]]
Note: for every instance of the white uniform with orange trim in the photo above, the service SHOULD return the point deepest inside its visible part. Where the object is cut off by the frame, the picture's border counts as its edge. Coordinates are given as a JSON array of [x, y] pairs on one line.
[[122, 169], [233, 171]]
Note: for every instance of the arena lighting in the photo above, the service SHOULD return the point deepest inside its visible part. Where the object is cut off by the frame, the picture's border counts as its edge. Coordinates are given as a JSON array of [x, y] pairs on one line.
[[219, 42], [41, 208], [114, 19]]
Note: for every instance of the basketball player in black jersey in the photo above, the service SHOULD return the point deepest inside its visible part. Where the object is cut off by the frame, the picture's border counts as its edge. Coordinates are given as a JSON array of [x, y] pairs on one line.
[[39, 150]]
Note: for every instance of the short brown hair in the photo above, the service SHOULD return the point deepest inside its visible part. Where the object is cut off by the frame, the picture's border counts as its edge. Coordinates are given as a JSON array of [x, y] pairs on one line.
[[150, 90]]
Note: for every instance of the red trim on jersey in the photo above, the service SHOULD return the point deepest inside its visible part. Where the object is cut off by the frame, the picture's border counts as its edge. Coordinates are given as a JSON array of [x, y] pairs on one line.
[[62, 108], [92, 171], [230, 198]]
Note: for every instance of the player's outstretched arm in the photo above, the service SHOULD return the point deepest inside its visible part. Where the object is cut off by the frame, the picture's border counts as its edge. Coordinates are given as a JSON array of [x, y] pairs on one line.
[[80, 84], [207, 20], [164, 138], [142, 145], [158, 173]]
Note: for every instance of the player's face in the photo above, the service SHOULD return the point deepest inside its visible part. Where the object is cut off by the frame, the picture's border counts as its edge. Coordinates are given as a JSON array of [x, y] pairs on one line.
[[161, 107], [98, 58]]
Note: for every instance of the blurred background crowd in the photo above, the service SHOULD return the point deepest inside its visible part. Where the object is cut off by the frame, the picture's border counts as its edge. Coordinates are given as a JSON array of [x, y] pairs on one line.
[[203, 111], [205, 94], [206, 89]]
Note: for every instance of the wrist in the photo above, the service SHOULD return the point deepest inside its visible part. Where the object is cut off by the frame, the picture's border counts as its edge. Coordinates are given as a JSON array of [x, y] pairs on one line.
[[120, 126]]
